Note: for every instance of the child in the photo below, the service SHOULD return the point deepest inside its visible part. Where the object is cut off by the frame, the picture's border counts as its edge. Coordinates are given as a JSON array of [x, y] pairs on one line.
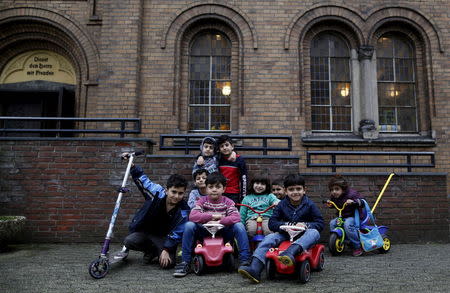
[[278, 189], [213, 208], [295, 208], [340, 193], [207, 158], [234, 171], [200, 186], [157, 227], [259, 198]]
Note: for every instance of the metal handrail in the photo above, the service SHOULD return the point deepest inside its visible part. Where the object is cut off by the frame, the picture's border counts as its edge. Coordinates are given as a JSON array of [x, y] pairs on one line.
[[124, 129], [333, 154], [186, 140]]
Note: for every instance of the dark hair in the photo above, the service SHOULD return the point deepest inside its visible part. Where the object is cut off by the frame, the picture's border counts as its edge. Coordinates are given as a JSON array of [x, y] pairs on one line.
[[224, 138], [260, 179], [176, 180], [293, 179], [209, 140], [199, 171], [278, 182], [216, 177], [339, 181]]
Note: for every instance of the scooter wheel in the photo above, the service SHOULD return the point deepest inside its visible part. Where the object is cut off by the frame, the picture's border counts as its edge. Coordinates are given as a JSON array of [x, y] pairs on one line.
[[270, 269], [99, 268], [335, 245], [199, 264], [386, 244], [304, 272]]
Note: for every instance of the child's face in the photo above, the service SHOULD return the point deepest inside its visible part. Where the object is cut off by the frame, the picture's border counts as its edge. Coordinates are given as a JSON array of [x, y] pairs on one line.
[[336, 191], [208, 149], [215, 190], [259, 187], [200, 180], [295, 193], [278, 190], [226, 148], [175, 195]]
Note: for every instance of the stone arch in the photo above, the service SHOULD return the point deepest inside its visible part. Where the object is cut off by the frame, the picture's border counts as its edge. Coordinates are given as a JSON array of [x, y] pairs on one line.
[[31, 28], [233, 16], [303, 21]]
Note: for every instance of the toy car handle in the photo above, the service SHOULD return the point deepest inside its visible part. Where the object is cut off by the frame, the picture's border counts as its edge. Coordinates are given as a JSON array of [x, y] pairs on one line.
[[211, 225], [135, 154], [290, 227], [258, 212]]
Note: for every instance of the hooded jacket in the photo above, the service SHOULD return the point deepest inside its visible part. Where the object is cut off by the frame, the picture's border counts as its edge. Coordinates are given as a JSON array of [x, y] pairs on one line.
[[349, 210], [211, 162]]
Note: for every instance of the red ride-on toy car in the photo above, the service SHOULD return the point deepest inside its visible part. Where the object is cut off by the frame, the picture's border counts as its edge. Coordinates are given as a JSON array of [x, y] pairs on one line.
[[213, 252], [305, 262]]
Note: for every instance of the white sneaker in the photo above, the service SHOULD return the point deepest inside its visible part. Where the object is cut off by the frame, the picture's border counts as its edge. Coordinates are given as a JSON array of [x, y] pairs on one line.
[[121, 255]]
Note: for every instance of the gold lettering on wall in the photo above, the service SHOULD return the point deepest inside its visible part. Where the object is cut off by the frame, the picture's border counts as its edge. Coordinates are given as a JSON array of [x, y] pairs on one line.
[[38, 65]]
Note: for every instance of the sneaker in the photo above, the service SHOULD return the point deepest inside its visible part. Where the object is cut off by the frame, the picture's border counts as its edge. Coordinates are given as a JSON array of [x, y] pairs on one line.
[[121, 255], [357, 252], [182, 269]]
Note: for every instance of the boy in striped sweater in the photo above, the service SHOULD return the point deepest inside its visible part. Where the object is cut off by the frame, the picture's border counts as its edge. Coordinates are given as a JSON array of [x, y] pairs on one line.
[[213, 208]]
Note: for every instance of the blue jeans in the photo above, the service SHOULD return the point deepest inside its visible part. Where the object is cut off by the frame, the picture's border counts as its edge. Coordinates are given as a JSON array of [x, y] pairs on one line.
[[351, 231], [194, 231], [306, 241]]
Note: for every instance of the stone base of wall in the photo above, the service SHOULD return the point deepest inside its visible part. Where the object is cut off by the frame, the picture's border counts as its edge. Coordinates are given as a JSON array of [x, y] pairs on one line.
[[67, 190]]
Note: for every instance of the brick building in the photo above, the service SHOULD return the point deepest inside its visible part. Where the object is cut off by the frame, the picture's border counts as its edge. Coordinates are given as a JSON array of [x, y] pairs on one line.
[[318, 87]]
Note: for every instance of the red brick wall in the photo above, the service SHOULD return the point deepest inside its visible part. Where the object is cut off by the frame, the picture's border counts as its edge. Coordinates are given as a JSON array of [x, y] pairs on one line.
[[67, 190]]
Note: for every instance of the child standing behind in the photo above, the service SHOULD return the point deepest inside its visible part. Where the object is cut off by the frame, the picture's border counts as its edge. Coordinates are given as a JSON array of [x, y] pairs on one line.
[[341, 193], [259, 198], [207, 159], [278, 189], [235, 171], [200, 186]]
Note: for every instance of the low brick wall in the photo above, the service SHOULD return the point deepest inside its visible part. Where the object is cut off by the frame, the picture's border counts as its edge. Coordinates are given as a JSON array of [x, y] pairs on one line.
[[67, 190]]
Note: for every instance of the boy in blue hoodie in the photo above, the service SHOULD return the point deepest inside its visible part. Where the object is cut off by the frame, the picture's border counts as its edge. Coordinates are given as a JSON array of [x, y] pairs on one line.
[[296, 208]]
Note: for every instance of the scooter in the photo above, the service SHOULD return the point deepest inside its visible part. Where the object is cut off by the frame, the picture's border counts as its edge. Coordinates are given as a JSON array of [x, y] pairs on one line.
[[213, 252], [100, 267], [305, 262], [259, 236]]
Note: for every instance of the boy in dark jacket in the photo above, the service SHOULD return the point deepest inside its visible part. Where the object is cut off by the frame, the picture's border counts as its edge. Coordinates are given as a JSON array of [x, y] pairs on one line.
[[296, 209], [158, 226], [341, 193]]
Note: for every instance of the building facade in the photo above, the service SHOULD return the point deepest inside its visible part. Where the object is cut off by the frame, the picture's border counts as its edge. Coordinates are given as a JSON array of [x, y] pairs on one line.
[[367, 81]]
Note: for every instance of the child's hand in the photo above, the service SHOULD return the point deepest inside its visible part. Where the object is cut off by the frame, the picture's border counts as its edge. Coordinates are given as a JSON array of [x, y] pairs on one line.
[[301, 224], [200, 161], [217, 217], [164, 259], [349, 201], [232, 157], [125, 156], [213, 222], [328, 203]]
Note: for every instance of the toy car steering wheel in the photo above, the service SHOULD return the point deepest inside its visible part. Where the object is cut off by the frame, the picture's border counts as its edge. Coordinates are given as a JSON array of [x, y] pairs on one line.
[[293, 231], [213, 228]]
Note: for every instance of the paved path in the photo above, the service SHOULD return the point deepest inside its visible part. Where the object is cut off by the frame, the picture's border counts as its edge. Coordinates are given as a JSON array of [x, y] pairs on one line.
[[63, 268]]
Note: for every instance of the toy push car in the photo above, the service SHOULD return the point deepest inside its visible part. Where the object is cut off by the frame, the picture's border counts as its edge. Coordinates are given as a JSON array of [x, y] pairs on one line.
[[305, 262], [213, 252]]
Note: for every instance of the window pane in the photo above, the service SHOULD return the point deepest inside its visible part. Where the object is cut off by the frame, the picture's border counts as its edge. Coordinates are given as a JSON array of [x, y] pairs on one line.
[[199, 91], [342, 118], [201, 45], [320, 46], [198, 118], [340, 69], [221, 68], [404, 69], [220, 118], [319, 68], [386, 94], [387, 116], [385, 47], [220, 45], [407, 119], [402, 49], [320, 93], [405, 95], [218, 93], [385, 69], [199, 68], [320, 118], [340, 93], [337, 47]]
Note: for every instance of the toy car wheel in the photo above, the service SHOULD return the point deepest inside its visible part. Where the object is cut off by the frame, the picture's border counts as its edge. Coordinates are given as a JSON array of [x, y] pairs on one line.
[[270, 269], [321, 262], [335, 245], [199, 264], [304, 272], [228, 262], [99, 268], [386, 244]]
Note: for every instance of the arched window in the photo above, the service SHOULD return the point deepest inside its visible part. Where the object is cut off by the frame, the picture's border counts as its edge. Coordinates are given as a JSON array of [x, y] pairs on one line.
[[210, 86], [331, 108], [396, 84]]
